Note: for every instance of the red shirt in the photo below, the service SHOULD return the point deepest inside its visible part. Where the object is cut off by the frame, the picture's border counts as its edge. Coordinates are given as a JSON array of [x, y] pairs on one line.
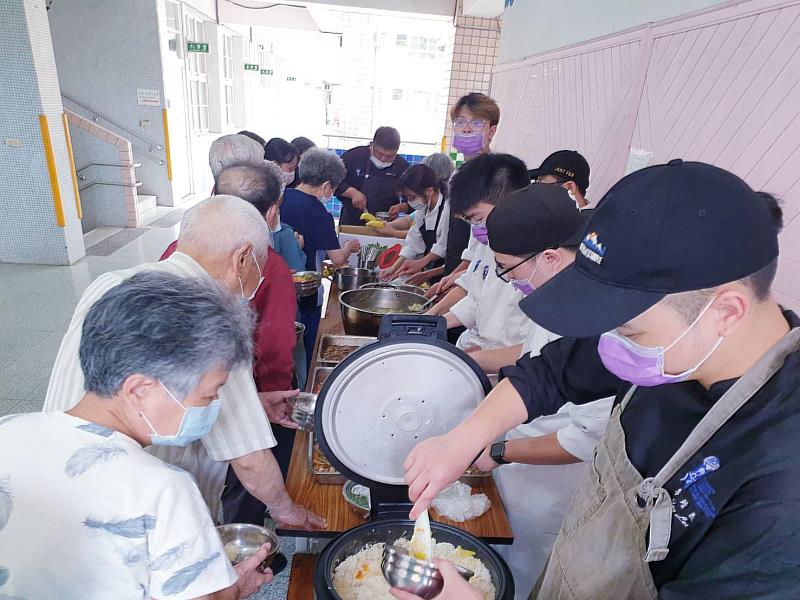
[[276, 307]]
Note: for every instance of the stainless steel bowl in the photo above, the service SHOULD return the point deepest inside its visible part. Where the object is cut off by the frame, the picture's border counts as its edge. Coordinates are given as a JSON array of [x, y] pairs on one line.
[[403, 287], [420, 577], [350, 278], [306, 282], [303, 406], [242, 540], [349, 496], [363, 310]]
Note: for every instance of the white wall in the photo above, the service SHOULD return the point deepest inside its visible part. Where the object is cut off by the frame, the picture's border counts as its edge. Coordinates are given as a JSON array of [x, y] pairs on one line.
[[534, 26], [104, 52]]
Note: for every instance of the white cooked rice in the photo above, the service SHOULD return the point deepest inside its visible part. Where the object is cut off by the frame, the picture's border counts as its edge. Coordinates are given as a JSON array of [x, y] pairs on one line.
[[359, 576]]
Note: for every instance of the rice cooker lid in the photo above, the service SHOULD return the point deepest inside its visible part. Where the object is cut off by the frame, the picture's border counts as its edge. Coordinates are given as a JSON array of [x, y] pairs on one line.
[[386, 398]]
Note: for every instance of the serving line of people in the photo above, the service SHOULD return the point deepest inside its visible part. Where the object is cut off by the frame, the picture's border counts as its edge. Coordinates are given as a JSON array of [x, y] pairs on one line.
[[667, 316]]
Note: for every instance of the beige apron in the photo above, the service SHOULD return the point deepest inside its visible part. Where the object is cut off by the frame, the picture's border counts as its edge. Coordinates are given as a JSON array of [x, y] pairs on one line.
[[601, 552]]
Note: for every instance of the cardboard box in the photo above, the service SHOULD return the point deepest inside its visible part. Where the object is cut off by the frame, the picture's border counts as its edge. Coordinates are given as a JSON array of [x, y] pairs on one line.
[[363, 230]]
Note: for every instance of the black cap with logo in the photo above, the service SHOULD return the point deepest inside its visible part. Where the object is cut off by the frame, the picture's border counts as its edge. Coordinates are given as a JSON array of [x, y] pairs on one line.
[[533, 219], [661, 230], [568, 164]]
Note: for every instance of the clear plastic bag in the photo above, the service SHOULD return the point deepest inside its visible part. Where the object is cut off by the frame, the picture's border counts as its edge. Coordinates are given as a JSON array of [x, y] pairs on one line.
[[457, 503]]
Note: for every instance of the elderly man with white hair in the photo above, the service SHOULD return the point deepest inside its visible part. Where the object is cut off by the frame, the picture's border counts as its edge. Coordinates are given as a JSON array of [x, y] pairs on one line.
[[79, 489], [233, 149], [222, 238]]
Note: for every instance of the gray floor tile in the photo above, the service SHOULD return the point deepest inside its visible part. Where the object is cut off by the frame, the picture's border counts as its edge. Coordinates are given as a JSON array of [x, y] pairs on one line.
[[111, 244]]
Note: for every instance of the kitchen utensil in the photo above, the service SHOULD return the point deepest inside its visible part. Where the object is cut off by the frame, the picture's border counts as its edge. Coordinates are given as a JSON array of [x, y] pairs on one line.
[[330, 342], [359, 502], [306, 282], [386, 532], [363, 309], [405, 572], [391, 285], [350, 278], [421, 546], [303, 410], [242, 540]]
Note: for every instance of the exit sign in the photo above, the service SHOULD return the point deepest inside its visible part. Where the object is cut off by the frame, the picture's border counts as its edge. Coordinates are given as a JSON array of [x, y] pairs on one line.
[[291, 79], [250, 67], [266, 71], [196, 47]]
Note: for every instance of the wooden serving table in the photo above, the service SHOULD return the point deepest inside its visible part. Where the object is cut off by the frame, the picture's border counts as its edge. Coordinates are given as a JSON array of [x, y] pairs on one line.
[[328, 501]]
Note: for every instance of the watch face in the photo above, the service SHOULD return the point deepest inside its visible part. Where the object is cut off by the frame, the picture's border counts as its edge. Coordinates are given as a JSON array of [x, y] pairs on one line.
[[497, 451]]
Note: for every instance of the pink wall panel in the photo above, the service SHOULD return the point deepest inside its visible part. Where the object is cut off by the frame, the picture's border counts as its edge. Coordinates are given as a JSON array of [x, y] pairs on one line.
[[721, 86]]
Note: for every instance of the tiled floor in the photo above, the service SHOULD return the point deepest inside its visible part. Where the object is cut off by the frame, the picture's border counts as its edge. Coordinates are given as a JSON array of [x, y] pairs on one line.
[[36, 304]]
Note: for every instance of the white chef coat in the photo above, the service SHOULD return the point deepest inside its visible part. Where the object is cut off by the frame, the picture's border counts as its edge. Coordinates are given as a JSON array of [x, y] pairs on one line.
[[424, 218], [536, 497], [490, 311], [471, 249], [241, 428]]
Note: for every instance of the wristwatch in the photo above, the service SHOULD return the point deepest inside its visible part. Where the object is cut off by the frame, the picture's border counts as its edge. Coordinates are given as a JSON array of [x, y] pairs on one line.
[[497, 451]]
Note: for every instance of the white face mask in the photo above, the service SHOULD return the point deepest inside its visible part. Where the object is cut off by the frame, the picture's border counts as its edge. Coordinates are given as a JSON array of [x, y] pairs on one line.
[[246, 299], [287, 178], [379, 163], [278, 227], [326, 199]]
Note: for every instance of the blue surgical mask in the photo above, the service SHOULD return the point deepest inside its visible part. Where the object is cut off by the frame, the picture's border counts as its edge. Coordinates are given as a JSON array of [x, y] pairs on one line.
[[197, 421], [246, 299]]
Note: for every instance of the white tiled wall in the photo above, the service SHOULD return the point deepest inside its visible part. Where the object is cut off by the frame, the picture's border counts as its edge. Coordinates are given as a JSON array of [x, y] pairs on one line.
[[28, 229], [105, 51], [474, 56]]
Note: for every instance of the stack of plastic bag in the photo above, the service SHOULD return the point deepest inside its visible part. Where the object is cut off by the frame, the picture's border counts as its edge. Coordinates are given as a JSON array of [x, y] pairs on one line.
[[457, 503]]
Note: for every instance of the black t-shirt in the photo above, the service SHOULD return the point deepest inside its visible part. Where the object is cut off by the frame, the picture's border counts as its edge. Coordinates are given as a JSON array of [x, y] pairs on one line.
[[378, 185], [457, 242], [736, 503]]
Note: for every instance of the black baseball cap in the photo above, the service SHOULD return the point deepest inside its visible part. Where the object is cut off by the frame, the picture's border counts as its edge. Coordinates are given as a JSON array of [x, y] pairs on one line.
[[569, 164], [533, 219], [661, 230]]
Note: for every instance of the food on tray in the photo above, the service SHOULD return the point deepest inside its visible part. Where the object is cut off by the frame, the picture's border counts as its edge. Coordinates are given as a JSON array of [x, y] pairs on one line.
[[376, 224], [317, 387], [304, 277], [359, 576], [416, 307], [320, 463], [334, 353]]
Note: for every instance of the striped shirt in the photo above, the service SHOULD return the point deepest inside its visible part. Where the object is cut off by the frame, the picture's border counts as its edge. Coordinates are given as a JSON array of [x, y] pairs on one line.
[[242, 426]]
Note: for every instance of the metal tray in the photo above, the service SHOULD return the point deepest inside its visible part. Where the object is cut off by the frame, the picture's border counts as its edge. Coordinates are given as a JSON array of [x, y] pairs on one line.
[[319, 378], [324, 477], [340, 340]]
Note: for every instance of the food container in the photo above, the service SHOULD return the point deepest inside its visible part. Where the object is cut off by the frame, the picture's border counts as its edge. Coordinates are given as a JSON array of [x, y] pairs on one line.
[[403, 287], [363, 310], [320, 467], [333, 349], [242, 540], [306, 283], [319, 377], [352, 541], [350, 278], [360, 503], [303, 410], [383, 216]]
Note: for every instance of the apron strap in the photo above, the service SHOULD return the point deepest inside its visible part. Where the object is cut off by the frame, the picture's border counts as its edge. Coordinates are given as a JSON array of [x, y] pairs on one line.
[[441, 209], [745, 388]]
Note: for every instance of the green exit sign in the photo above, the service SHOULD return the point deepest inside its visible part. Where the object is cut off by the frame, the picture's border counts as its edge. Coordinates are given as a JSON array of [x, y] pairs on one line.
[[196, 47], [266, 71], [250, 67], [291, 79]]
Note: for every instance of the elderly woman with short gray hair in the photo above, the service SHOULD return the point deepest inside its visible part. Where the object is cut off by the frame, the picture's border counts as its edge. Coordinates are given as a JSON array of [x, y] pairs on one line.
[[320, 172], [115, 521], [233, 149]]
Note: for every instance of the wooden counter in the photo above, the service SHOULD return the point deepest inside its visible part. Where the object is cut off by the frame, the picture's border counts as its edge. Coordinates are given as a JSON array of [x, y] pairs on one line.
[[327, 500]]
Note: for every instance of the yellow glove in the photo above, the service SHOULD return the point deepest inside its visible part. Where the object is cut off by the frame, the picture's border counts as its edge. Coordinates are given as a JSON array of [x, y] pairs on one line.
[[376, 224], [366, 217]]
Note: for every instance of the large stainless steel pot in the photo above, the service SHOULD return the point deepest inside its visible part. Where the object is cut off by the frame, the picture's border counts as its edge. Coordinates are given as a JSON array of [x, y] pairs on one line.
[[350, 278], [362, 310], [403, 287]]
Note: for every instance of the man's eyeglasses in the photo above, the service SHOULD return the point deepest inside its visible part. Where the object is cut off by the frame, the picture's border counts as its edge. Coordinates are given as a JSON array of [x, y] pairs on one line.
[[470, 221], [460, 124], [501, 273]]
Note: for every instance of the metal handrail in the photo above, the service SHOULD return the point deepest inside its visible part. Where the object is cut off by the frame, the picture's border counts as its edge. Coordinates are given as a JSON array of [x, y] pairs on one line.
[[120, 165], [98, 117], [125, 185]]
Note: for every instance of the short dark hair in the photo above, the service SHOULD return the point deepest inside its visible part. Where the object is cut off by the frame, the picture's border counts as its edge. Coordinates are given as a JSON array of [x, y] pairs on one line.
[[774, 207], [488, 178], [387, 138], [302, 144], [419, 178], [280, 151], [253, 136], [257, 185]]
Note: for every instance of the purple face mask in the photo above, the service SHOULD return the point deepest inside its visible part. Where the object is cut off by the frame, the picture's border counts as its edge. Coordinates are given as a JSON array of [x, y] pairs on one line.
[[525, 285], [469, 144], [481, 234], [641, 365]]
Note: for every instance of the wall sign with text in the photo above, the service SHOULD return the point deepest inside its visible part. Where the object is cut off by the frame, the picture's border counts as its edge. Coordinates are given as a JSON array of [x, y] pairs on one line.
[[196, 47]]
